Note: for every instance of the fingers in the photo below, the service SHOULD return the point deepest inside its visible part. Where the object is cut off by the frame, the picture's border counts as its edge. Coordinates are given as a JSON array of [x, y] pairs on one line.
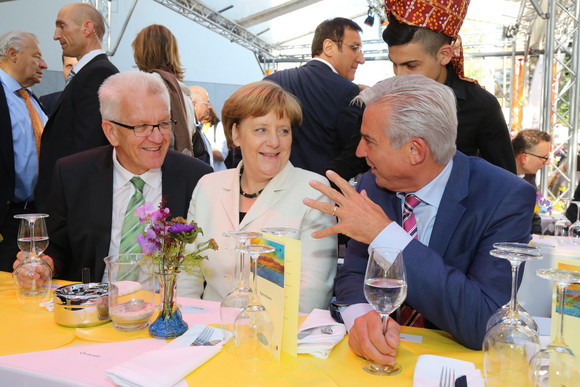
[[366, 338], [327, 191], [344, 185]]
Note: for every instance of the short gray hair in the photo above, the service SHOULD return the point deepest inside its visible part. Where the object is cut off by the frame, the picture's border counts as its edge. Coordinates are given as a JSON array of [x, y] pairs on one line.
[[121, 87], [15, 39], [417, 107]]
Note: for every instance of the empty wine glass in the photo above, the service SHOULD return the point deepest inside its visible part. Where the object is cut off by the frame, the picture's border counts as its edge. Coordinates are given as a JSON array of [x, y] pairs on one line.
[[556, 365], [574, 229], [33, 276], [385, 288], [515, 253], [239, 297], [253, 329], [561, 229], [287, 232]]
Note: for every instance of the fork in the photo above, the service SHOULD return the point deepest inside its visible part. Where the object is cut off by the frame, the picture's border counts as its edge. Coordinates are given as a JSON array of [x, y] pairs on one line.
[[447, 378], [203, 337]]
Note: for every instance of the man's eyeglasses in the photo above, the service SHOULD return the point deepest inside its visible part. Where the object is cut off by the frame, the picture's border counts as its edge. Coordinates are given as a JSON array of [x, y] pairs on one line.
[[144, 130], [355, 47], [545, 158]]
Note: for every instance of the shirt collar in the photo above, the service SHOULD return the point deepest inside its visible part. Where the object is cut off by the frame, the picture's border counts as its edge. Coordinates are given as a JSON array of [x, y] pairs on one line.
[[86, 59], [152, 177], [327, 63], [432, 192], [9, 83]]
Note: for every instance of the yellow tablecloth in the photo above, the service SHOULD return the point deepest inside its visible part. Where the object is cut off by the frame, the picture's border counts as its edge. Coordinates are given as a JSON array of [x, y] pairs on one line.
[[27, 331]]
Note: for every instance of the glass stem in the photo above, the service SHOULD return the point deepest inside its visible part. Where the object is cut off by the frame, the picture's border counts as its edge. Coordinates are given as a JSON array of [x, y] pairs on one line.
[[255, 277], [240, 280], [562, 296], [515, 268], [32, 244]]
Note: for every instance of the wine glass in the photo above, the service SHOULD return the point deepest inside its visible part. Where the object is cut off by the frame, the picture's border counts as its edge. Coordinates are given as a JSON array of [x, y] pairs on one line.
[[239, 297], [385, 288], [33, 276], [556, 365], [253, 329], [287, 232], [515, 253], [561, 230], [574, 229]]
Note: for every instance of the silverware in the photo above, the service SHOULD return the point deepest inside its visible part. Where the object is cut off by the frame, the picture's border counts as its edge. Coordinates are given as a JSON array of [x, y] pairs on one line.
[[447, 378], [203, 337], [327, 330], [207, 344]]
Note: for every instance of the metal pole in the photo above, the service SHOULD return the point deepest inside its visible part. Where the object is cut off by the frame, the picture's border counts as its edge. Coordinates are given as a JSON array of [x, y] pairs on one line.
[[122, 32], [512, 80], [573, 108], [547, 86]]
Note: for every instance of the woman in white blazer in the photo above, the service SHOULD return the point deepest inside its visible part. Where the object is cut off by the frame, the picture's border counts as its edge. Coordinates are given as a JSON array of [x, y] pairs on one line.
[[265, 190]]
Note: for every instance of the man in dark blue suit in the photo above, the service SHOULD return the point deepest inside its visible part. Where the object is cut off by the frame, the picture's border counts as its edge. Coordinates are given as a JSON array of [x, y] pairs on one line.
[[465, 205], [325, 89]]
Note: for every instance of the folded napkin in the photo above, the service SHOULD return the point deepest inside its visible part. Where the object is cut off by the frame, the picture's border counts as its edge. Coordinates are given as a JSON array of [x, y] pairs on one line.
[[428, 371], [169, 364], [317, 343]]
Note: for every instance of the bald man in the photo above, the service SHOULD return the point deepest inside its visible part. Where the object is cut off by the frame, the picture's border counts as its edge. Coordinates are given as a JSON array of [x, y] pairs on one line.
[[201, 146], [75, 124]]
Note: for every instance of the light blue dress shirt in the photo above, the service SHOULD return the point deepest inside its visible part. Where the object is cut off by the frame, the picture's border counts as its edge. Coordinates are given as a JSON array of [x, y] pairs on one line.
[[24, 143]]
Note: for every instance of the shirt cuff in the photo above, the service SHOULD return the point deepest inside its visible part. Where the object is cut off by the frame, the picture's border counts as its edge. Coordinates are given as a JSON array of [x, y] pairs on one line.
[[352, 312], [392, 236]]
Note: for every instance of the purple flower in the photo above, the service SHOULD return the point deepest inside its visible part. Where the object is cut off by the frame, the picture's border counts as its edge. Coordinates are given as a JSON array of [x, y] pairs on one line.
[[148, 246], [179, 228], [144, 212]]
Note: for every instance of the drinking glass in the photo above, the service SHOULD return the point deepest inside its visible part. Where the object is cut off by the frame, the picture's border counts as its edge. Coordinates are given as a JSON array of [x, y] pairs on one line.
[[556, 365], [239, 297], [561, 229], [515, 253], [131, 291], [574, 229], [385, 288], [33, 276], [253, 329], [287, 232]]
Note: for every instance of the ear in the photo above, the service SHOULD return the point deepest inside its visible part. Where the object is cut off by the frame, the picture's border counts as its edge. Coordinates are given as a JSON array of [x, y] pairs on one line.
[[236, 135], [445, 54], [110, 132], [417, 149], [328, 47], [12, 54], [88, 27]]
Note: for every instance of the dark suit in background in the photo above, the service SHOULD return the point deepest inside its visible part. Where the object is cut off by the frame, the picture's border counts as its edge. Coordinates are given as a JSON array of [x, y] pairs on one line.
[[81, 204], [50, 101], [453, 282], [329, 120], [75, 124]]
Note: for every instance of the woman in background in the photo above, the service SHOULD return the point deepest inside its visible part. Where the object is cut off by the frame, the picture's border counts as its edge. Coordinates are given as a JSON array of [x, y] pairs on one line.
[[265, 190]]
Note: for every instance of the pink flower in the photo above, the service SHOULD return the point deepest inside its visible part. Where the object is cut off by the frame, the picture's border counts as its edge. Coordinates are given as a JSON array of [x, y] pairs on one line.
[[144, 212]]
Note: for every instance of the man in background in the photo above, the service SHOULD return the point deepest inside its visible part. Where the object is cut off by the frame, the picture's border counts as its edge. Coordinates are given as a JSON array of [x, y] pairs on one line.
[[428, 43], [75, 124], [201, 146], [325, 89], [95, 193], [21, 123], [49, 101]]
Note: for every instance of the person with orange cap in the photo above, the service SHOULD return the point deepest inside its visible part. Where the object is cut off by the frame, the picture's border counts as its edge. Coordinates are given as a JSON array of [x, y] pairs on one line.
[[423, 38]]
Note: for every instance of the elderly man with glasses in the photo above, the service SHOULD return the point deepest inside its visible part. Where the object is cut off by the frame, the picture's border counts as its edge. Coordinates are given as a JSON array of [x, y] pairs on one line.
[[94, 193]]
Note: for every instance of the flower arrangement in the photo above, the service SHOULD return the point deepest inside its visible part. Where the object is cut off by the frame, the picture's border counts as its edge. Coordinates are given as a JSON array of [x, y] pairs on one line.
[[164, 241], [543, 205]]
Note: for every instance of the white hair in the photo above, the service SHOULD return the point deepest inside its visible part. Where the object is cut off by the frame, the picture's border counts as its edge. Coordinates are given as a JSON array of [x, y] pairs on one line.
[[15, 39], [417, 107], [120, 86]]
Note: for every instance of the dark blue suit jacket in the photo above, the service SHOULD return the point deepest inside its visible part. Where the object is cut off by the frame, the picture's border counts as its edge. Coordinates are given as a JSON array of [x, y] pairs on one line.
[[454, 282], [81, 206], [329, 120]]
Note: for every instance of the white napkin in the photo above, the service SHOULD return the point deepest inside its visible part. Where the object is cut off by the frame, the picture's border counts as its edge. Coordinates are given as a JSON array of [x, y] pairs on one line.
[[428, 371], [320, 344], [169, 364]]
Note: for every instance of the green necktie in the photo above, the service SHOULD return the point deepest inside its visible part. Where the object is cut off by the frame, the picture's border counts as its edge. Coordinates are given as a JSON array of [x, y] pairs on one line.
[[131, 225]]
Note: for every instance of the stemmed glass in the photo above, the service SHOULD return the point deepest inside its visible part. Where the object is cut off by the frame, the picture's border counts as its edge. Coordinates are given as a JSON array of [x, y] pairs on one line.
[[239, 297], [555, 365], [515, 253], [33, 276], [574, 229], [253, 329], [385, 288], [287, 232], [511, 341], [561, 230]]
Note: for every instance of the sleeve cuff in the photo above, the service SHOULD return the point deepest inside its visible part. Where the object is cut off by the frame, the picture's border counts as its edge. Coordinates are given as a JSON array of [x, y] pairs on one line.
[[392, 236], [352, 312]]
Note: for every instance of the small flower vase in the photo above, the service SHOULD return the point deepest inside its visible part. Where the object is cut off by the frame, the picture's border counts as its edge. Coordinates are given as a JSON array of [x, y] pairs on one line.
[[169, 323]]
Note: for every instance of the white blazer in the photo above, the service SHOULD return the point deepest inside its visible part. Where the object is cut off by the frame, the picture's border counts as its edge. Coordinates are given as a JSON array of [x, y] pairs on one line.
[[215, 207]]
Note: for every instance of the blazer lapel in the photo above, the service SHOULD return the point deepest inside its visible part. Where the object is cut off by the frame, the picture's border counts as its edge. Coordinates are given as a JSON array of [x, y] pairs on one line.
[[451, 209], [230, 200], [100, 190]]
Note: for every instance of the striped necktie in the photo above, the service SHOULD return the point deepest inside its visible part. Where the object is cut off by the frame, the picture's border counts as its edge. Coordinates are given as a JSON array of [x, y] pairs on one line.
[[35, 119], [409, 316], [70, 77], [131, 225]]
